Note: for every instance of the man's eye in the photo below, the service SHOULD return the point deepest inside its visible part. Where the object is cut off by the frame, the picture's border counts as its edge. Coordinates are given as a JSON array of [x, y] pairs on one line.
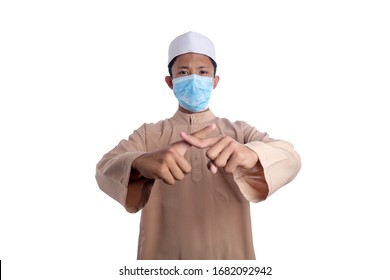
[[203, 72], [183, 72]]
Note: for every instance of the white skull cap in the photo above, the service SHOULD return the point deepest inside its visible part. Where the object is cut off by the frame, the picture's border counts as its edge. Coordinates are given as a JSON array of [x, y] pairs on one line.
[[191, 42]]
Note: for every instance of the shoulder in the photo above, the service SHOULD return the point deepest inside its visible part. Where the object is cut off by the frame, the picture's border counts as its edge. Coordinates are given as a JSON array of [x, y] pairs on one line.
[[159, 134], [239, 130], [237, 124], [155, 127]]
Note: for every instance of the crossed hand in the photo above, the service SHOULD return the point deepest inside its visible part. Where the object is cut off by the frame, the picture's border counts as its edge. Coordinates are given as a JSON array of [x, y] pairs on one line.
[[170, 165]]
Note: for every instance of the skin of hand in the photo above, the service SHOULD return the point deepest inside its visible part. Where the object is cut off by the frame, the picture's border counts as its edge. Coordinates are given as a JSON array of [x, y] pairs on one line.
[[224, 151], [169, 163]]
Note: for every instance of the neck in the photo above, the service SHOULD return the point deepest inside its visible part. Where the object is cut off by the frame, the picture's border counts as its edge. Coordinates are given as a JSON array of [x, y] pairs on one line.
[[181, 109]]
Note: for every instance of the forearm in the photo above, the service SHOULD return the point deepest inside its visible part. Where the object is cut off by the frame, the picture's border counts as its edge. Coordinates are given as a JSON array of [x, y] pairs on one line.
[[278, 164], [252, 183], [115, 177]]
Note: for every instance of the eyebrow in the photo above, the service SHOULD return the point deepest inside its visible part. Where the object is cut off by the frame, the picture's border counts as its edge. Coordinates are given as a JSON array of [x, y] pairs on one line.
[[199, 67]]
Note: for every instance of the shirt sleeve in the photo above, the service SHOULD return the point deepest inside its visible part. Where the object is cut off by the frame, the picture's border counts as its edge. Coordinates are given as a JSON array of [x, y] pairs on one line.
[[279, 164], [114, 169]]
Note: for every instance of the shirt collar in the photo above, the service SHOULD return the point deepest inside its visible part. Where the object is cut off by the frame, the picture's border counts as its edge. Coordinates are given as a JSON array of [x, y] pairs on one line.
[[201, 117]]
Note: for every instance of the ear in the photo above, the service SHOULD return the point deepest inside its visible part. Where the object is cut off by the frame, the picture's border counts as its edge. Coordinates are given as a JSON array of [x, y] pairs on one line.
[[168, 80], [215, 83]]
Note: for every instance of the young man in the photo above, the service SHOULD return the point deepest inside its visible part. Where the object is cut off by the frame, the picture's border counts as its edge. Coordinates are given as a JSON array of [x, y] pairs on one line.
[[194, 174]]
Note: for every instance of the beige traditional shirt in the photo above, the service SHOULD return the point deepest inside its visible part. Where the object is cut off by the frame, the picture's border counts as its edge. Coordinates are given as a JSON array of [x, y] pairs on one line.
[[206, 215]]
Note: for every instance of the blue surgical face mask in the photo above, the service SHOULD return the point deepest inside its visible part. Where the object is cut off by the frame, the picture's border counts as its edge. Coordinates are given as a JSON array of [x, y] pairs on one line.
[[193, 92]]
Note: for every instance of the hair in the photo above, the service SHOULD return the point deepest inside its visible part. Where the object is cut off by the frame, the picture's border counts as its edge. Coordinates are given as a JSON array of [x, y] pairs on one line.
[[174, 59]]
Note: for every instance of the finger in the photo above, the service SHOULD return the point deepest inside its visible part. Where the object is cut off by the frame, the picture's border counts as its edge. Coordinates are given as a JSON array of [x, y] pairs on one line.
[[183, 164], [218, 147], [197, 139], [169, 180], [167, 177], [176, 172], [183, 146], [212, 167], [224, 156], [232, 163], [200, 143], [178, 166], [204, 131]]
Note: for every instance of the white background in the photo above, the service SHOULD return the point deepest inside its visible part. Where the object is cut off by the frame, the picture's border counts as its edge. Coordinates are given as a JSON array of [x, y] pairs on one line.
[[78, 76]]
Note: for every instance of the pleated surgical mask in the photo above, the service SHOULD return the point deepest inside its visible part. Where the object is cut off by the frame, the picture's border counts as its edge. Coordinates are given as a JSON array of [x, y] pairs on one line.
[[193, 91]]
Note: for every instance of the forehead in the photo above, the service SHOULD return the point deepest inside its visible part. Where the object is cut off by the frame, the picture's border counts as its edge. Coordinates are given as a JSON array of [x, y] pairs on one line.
[[193, 59]]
